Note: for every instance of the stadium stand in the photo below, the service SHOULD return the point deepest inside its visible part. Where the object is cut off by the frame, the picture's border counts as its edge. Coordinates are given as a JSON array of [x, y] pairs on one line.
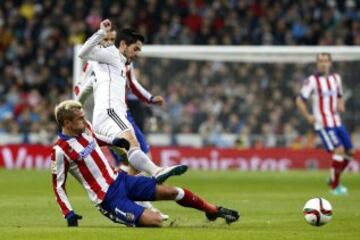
[[36, 53]]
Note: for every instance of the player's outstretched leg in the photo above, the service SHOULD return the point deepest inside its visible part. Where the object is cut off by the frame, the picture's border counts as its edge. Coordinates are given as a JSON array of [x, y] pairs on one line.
[[212, 212], [120, 206], [186, 198], [140, 161]]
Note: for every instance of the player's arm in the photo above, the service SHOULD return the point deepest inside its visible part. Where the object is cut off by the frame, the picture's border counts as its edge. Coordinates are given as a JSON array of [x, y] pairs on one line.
[[341, 102], [91, 50], [341, 105], [84, 88], [301, 105], [305, 92], [59, 170], [143, 94]]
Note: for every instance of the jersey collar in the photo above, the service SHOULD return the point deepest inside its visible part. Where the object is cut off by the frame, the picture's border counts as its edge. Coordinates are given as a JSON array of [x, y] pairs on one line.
[[63, 136], [319, 74]]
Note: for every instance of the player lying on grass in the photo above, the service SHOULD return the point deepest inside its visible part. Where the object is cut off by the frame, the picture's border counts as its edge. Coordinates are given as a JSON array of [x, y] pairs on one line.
[[77, 151], [325, 88]]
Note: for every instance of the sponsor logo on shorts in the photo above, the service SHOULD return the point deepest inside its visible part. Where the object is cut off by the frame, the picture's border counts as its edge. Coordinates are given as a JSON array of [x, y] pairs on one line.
[[128, 216]]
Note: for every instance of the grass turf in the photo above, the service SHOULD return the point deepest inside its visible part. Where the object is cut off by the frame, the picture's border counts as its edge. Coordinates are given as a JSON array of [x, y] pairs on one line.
[[270, 205]]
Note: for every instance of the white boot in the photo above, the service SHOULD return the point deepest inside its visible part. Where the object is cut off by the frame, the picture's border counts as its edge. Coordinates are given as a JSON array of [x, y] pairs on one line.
[[166, 172]]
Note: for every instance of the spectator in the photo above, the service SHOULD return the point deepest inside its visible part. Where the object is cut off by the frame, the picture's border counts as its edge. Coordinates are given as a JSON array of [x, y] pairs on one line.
[[253, 101]]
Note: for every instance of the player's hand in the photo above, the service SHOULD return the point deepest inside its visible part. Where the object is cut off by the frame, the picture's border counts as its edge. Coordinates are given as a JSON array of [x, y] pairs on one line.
[[341, 106], [106, 25], [121, 143], [72, 219], [158, 100], [311, 119]]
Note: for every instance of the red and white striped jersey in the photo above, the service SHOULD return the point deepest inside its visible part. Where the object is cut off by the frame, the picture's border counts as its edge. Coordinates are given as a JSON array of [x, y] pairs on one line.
[[325, 92], [84, 87], [83, 158], [134, 85]]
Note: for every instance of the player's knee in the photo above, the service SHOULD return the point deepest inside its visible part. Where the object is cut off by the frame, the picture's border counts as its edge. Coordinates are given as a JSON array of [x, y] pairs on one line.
[[131, 138], [165, 192], [157, 220], [339, 150], [172, 193], [150, 219], [133, 142], [132, 171], [350, 152]]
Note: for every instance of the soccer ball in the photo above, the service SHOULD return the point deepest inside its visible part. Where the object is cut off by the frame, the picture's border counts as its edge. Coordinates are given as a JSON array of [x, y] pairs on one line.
[[317, 211]]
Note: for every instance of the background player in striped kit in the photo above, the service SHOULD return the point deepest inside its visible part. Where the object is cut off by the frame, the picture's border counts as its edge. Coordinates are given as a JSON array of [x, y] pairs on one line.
[[326, 90], [77, 151]]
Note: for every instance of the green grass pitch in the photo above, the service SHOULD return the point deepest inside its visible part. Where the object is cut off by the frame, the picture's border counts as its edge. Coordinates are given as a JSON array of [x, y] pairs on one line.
[[270, 205]]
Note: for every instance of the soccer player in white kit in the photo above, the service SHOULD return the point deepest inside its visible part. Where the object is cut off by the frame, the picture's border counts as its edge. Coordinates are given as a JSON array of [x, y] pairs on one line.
[[109, 116], [326, 90], [84, 88]]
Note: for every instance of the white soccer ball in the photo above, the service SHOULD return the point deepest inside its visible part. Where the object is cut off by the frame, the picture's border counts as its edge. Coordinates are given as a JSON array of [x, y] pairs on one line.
[[317, 211]]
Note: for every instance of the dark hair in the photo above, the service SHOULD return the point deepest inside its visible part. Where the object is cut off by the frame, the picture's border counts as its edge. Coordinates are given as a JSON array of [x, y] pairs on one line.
[[324, 53], [130, 36]]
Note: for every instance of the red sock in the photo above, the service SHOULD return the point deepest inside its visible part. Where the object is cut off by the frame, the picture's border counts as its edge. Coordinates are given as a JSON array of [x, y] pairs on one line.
[[194, 201], [336, 169]]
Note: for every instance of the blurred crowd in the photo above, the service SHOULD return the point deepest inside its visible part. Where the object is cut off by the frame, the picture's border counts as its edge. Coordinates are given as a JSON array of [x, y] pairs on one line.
[[36, 62], [253, 101]]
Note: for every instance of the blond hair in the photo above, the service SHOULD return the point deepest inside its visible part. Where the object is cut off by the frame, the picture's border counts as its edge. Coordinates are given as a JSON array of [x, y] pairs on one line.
[[65, 111]]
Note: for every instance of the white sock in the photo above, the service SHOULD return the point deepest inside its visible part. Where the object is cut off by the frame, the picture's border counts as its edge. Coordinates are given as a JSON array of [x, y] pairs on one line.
[[180, 194], [140, 161], [145, 204], [337, 157], [142, 174], [124, 168]]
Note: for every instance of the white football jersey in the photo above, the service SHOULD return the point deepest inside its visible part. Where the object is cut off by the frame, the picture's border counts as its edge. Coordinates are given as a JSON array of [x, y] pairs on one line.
[[109, 83]]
